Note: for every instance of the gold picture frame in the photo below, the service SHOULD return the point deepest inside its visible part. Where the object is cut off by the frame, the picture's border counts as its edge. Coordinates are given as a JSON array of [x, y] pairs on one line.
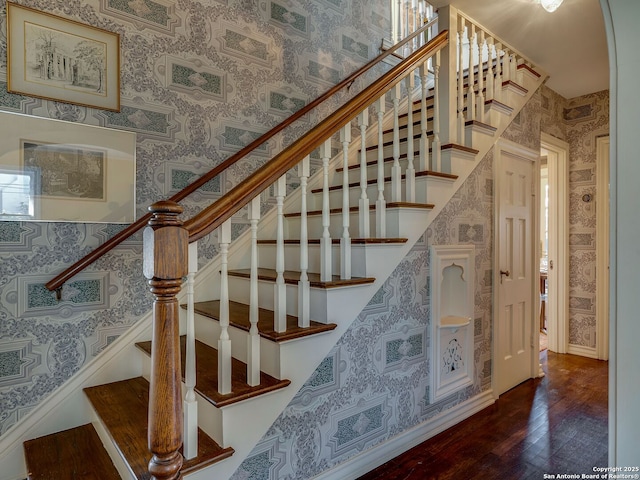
[[58, 59]]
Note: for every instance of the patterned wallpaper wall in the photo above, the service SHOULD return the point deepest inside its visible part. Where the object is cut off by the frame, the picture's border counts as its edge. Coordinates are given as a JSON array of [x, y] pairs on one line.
[[579, 122], [200, 79], [374, 384]]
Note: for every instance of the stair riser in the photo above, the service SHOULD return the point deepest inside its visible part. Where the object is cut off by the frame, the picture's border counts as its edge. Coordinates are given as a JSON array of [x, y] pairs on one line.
[[372, 170], [267, 255], [315, 228], [323, 307], [387, 151], [208, 332], [424, 184], [360, 256]]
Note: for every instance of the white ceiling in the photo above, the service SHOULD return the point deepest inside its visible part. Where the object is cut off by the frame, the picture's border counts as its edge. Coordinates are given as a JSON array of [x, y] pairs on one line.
[[569, 44]]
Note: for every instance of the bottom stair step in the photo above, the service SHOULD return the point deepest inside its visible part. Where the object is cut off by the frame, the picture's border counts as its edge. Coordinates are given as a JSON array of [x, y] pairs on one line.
[[72, 454], [123, 408]]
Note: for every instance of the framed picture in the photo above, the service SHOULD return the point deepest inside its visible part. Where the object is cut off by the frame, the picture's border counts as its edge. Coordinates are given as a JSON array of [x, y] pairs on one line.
[[57, 171], [58, 59]]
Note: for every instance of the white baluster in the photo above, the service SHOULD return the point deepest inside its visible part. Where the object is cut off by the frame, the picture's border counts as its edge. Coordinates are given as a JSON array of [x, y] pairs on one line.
[[480, 95], [415, 23], [399, 21], [224, 343], [253, 340], [396, 172], [460, 117], [363, 204], [410, 174], [381, 204], [345, 241], [490, 70], [303, 283], [497, 93], [471, 92], [325, 241], [424, 137], [506, 66], [280, 289], [436, 163], [190, 404]]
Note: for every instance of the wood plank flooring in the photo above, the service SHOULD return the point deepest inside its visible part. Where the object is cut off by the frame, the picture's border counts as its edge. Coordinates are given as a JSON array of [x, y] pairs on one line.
[[556, 424]]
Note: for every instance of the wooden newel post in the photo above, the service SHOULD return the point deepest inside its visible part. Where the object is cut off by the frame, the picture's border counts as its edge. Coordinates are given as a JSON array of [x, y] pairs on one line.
[[165, 262]]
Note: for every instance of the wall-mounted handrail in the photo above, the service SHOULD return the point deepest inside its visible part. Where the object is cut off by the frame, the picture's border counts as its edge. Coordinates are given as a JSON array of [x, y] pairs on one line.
[[213, 216], [59, 280]]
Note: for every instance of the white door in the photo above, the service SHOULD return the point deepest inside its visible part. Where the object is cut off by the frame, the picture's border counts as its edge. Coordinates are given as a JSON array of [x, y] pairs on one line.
[[514, 275]]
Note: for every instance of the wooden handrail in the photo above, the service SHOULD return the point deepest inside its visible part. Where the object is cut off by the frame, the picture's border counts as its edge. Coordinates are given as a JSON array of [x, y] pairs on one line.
[[213, 216], [59, 280]]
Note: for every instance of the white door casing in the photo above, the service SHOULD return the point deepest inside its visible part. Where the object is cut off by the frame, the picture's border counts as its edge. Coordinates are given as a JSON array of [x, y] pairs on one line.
[[558, 277], [602, 248], [515, 266]]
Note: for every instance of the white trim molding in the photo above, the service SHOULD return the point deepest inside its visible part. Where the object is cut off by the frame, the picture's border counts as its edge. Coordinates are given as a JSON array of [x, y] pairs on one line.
[[374, 457], [602, 248], [558, 303]]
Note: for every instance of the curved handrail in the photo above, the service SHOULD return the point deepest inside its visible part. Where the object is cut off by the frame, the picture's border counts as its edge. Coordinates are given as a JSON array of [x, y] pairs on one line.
[[59, 280], [213, 216]]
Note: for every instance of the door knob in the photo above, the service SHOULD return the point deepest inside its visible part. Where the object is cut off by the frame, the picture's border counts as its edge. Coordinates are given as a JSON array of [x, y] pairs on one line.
[[504, 273]]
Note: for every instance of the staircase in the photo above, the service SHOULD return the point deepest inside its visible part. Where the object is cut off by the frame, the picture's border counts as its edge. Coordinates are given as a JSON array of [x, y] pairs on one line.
[[281, 295]]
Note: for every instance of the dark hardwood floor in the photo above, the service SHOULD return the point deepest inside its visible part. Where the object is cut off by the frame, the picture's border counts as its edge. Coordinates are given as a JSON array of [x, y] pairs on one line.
[[555, 425]]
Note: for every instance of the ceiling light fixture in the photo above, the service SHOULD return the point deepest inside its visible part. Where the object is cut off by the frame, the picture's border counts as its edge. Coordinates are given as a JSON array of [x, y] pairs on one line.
[[550, 5]]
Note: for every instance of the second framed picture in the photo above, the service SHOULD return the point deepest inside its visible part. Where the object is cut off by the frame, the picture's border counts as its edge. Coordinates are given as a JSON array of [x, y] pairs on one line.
[[58, 59]]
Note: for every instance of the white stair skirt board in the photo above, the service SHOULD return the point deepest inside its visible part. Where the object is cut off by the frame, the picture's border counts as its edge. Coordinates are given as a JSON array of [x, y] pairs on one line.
[[376, 456]]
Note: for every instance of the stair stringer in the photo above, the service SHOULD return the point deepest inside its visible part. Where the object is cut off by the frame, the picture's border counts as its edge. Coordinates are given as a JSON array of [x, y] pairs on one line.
[[297, 355]]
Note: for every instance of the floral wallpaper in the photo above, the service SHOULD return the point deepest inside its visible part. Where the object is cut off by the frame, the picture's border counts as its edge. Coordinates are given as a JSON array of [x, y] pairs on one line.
[[374, 384], [580, 121], [199, 80]]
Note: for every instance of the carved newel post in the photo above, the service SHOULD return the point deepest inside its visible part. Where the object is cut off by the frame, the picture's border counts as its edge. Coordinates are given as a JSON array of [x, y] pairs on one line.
[[165, 263]]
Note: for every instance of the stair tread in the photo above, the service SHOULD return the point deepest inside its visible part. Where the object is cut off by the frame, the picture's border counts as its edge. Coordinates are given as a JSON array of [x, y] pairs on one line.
[[239, 317], [123, 408], [424, 206], [207, 375], [69, 455], [335, 241], [424, 173], [292, 277]]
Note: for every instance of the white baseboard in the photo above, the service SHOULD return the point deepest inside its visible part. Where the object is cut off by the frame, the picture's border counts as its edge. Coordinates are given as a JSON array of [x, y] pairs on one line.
[[374, 457], [589, 352]]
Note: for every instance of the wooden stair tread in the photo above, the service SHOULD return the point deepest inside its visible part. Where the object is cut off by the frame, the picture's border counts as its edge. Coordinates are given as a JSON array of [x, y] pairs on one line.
[[72, 454], [335, 241], [207, 375], [292, 277], [423, 206], [239, 318], [373, 181], [123, 408]]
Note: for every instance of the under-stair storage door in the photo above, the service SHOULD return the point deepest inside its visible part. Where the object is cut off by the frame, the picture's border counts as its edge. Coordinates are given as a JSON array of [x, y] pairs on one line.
[[452, 306]]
